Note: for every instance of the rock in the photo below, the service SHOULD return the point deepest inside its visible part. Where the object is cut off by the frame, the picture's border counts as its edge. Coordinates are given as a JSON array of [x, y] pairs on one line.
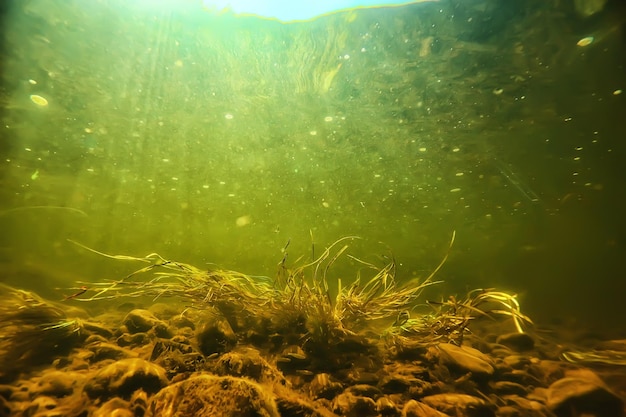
[[524, 406], [216, 337], [351, 405], [465, 358], [135, 339], [5, 408], [103, 351], [417, 409], [138, 320], [547, 371], [364, 390], [139, 403], [115, 407], [386, 407], [96, 329], [356, 376], [295, 404], [516, 361], [125, 377], [94, 338], [179, 321], [322, 386], [582, 392], [168, 348], [6, 390], [399, 378], [459, 404], [164, 310], [40, 405], [499, 351], [210, 395], [509, 411], [293, 360], [296, 353], [508, 388], [181, 339], [22, 392], [57, 383], [519, 342], [247, 363]]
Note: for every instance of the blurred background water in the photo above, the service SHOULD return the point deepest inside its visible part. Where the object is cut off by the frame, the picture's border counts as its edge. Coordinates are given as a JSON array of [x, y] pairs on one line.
[[215, 139]]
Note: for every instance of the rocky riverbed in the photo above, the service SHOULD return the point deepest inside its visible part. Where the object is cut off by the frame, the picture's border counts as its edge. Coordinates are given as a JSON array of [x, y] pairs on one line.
[[165, 360]]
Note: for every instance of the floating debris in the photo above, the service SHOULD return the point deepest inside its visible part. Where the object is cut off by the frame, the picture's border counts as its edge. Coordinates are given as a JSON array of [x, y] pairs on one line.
[[514, 179], [586, 41], [39, 100], [243, 221]]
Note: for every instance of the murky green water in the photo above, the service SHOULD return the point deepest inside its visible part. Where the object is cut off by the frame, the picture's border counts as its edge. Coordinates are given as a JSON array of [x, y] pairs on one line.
[[218, 139]]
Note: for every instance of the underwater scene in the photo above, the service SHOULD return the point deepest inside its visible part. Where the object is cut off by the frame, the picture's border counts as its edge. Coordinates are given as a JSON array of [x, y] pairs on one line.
[[332, 208]]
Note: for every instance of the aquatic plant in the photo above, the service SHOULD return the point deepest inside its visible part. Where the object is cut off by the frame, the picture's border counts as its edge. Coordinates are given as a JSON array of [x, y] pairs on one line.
[[299, 299]]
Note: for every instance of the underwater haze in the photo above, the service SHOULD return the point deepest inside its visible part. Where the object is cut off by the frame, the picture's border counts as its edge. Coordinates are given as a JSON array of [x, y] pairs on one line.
[[219, 139]]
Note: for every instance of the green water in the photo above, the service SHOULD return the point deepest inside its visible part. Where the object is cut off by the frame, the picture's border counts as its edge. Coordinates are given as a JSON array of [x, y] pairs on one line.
[[216, 140]]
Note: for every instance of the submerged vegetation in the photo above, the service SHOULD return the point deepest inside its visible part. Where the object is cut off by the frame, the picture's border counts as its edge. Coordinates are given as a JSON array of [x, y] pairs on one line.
[[300, 305], [301, 309]]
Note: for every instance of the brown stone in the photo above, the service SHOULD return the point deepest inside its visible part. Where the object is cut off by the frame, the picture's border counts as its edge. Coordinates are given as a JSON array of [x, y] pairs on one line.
[[96, 329], [364, 390], [103, 351], [509, 411], [139, 320], [40, 405], [247, 362], [216, 337], [519, 342], [386, 407], [57, 383], [351, 405], [210, 395], [516, 361], [508, 388], [459, 404], [125, 377], [5, 407], [583, 393], [322, 386], [399, 378], [465, 358], [114, 407], [525, 406], [417, 409]]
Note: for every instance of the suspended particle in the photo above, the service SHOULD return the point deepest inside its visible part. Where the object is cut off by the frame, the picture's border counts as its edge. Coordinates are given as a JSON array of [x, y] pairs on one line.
[[39, 100]]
